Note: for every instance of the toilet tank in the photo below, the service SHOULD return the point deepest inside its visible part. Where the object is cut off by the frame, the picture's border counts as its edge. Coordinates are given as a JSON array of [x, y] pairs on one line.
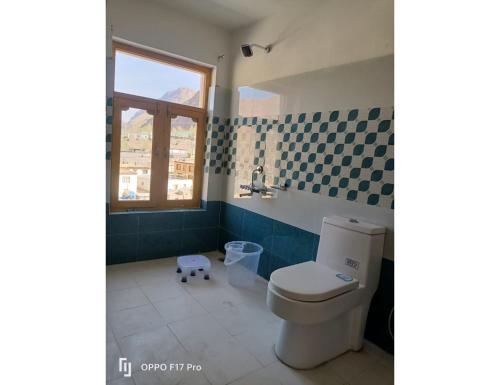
[[352, 247]]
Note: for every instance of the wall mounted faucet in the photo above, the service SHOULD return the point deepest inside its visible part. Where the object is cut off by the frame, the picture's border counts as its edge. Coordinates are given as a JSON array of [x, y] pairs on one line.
[[251, 187], [264, 191], [258, 170]]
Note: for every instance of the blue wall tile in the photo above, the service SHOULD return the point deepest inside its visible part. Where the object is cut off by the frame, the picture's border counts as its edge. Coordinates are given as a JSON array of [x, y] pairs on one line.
[[377, 324], [276, 263], [121, 248], [159, 244], [226, 236], [202, 218], [264, 263], [162, 234], [292, 244], [289, 244], [315, 246], [199, 240], [257, 228], [161, 221], [231, 218], [121, 224]]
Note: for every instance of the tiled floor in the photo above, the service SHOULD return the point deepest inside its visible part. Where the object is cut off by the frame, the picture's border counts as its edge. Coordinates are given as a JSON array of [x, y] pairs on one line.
[[154, 318]]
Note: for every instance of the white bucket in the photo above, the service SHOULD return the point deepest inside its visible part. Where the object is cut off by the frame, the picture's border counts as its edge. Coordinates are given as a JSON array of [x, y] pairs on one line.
[[242, 261]]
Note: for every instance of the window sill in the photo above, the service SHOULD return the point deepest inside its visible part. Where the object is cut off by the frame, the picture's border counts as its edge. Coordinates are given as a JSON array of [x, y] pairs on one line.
[[142, 211]]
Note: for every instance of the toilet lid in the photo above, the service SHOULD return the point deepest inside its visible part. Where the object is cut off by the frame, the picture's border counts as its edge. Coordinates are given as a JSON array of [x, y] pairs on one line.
[[311, 282]]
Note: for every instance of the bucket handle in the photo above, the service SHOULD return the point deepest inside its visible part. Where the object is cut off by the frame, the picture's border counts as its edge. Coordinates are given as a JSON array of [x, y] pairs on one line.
[[239, 250]]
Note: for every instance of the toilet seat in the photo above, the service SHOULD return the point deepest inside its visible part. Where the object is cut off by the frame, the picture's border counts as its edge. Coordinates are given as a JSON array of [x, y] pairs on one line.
[[310, 282]]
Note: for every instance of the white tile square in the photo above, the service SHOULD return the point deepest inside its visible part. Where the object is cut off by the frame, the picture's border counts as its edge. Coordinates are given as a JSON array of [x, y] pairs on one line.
[[386, 113], [372, 126], [351, 364], [225, 362], [112, 356], [279, 374], [265, 376], [179, 308], [211, 300], [170, 378], [161, 291], [196, 333], [247, 316], [117, 279], [374, 374], [324, 189], [363, 114], [260, 343], [109, 333], [222, 357], [158, 273], [117, 300], [135, 320], [382, 356], [121, 381], [259, 289], [198, 285], [378, 164], [153, 346]]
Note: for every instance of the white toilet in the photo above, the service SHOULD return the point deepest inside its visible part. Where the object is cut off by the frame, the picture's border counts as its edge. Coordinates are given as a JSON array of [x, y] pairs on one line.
[[324, 304]]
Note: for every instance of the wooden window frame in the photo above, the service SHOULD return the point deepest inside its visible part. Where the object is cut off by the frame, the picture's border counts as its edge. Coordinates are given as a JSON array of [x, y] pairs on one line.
[[163, 113]]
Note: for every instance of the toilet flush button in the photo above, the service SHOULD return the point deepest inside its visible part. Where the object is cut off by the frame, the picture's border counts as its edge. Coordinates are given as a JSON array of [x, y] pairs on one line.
[[344, 277]]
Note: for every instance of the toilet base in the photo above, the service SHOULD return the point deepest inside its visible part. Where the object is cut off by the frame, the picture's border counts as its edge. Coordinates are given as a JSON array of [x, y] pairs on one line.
[[307, 346]]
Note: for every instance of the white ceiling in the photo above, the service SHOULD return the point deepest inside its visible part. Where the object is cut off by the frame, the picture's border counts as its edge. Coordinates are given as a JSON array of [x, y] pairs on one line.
[[231, 14]]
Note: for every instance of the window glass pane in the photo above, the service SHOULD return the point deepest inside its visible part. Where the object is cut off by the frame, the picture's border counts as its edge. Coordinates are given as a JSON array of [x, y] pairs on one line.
[[137, 75], [135, 155], [181, 161]]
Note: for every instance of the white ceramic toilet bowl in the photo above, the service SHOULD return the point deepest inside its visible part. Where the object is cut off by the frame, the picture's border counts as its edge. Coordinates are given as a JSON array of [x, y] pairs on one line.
[[324, 313]]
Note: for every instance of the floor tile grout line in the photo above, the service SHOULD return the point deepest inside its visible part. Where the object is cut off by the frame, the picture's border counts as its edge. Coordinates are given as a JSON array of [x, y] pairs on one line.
[[166, 325], [181, 344], [232, 338], [249, 373], [153, 329], [361, 372], [186, 350], [127, 308]]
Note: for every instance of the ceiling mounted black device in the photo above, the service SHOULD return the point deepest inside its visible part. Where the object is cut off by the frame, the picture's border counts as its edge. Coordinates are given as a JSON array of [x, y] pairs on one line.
[[246, 49]]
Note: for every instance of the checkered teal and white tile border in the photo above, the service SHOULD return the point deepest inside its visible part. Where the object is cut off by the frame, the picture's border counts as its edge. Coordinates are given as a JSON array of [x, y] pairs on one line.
[[347, 154], [215, 142]]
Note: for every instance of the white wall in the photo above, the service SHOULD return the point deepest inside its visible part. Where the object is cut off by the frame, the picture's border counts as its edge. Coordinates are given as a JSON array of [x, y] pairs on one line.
[[338, 55], [155, 25], [357, 85], [316, 35]]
